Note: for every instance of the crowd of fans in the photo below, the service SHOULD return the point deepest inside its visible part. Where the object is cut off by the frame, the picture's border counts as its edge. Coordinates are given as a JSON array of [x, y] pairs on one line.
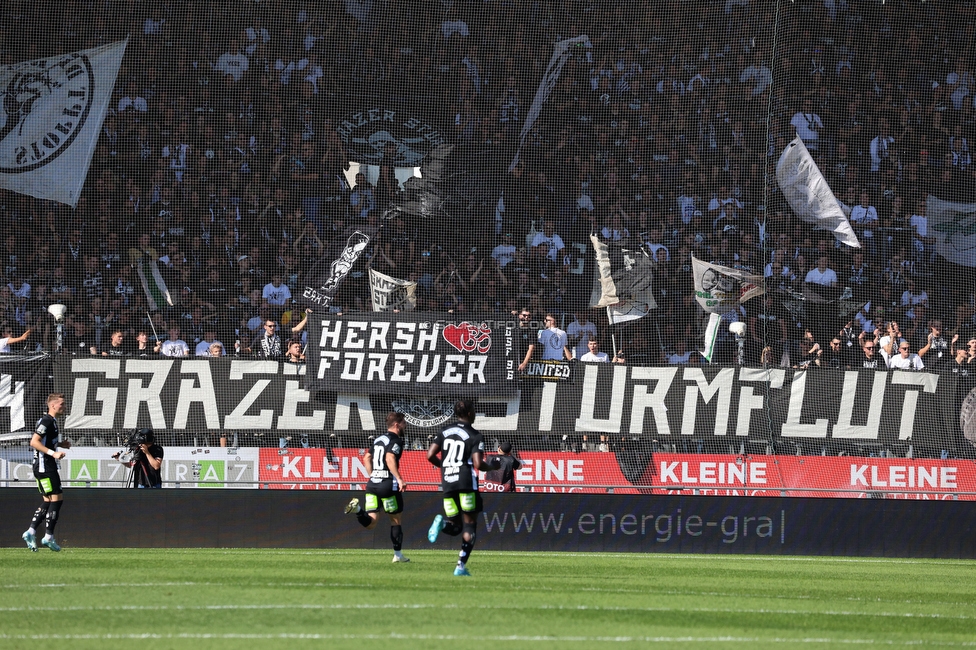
[[222, 158]]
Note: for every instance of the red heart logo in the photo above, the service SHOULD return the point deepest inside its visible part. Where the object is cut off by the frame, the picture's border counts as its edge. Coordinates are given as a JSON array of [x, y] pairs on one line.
[[466, 337]]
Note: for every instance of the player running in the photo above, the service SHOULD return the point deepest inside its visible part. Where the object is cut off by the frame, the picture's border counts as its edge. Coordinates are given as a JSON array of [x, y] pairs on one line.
[[385, 484], [459, 451], [45, 442]]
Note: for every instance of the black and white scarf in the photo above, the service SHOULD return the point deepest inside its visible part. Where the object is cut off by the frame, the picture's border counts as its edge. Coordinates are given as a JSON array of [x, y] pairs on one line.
[[271, 346]]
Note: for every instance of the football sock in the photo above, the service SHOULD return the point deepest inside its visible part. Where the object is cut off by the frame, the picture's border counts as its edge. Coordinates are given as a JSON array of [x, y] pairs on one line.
[[451, 528], [38, 518], [467, 545], [364, 519], [51, 520], [396, 536], [465, 554]]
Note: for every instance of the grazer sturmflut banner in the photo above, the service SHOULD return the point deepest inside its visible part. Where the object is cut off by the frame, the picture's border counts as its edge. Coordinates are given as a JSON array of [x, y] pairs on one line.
[[641, 408], [25, 382], [429, 354], [51, 117]]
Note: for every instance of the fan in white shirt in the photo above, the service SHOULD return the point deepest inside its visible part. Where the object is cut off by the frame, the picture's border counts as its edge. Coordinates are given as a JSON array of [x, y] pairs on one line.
[[594, 355]]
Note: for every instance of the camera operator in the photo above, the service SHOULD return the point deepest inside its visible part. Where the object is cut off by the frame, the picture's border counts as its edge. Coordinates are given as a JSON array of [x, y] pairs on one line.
[[504, 476], [146, 461]]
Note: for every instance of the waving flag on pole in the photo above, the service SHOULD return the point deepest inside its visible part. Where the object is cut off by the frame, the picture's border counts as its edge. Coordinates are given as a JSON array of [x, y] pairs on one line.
[[562, 51], [50, 119], [807, 192], [389, 293], [622, 281], [719, 289]]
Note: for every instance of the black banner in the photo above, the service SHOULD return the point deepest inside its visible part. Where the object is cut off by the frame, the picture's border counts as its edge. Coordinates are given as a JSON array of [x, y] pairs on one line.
[[323, 280], [426, 354], [642, 408], [522, 522], [548, 370], [25, 383]]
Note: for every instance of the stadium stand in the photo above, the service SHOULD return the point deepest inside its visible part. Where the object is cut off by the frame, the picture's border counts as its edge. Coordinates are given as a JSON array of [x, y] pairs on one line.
[[231, 154]]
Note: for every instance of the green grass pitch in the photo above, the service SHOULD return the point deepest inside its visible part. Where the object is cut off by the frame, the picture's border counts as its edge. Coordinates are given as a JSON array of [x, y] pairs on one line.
[[234, 598]]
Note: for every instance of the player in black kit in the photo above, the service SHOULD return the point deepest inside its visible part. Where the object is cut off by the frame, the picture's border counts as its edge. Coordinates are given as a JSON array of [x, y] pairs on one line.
[[45, 442], [459, 451], [385, 485]]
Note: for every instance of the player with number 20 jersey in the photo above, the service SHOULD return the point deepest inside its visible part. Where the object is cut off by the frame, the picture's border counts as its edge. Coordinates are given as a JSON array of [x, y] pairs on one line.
[[458, 441], [459, 451]]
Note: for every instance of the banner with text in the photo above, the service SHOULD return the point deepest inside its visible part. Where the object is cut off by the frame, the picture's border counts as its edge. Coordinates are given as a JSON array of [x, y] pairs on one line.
[[704, 474], [411, 354], [25, 382], [343, 469], [702, 409], [183, 467]]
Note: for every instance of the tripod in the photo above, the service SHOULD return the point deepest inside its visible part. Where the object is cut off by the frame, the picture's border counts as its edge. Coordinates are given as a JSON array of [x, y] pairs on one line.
[[130, 480]]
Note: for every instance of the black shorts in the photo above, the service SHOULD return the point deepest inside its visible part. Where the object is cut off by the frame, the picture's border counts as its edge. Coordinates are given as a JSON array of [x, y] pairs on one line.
[[392, 504], [48, 483], [458, 501]]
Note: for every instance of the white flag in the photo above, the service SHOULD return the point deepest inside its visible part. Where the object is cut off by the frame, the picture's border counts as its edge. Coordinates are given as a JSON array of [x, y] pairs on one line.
[[953, 226], [711, 336], [719, 289], [807, 192], [389, 293], [51, 117]]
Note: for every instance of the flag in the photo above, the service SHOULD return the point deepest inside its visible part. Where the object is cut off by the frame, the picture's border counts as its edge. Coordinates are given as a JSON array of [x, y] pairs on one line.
[[711, 336], [453, 182], [953, 226], [807, 192], [389, 293], [560, 54], [719, 289], [623, 281], [324, 278], [153, 285], [51, 115]]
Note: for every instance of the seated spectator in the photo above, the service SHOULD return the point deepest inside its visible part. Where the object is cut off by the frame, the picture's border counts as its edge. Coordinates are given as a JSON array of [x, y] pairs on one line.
[[821, 274], [277, 295], [905, 359], [174, 346], [593, 354], [294, 352], [115, 346], [10, 340], [203, 348], [267, 344]]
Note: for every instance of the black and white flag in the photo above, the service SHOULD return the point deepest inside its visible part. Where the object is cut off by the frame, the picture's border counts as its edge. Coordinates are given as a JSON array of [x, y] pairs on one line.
[[324, 278], [623, 281], [50, 119], [719, 289], [391, 294]]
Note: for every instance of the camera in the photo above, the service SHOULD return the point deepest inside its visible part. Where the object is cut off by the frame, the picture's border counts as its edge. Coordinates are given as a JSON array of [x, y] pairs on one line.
[[138, 437]]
